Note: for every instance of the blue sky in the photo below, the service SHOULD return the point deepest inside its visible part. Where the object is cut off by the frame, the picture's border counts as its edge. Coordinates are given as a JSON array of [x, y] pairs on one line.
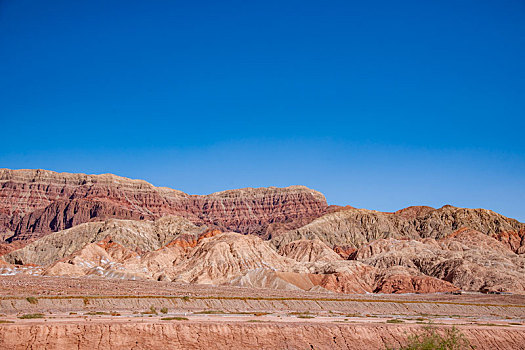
[[376, 104]]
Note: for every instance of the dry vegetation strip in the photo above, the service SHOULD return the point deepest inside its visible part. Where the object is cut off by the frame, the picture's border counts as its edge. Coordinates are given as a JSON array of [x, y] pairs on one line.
[[186, 298]]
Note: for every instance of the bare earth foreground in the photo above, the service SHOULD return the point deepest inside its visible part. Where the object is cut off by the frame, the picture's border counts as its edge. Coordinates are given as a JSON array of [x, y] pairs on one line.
[[91, 313]]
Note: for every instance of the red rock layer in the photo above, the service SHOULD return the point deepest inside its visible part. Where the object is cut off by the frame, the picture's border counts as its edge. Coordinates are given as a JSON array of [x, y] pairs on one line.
[[36, 202], [189, 241], [515, 240], [345, 252]]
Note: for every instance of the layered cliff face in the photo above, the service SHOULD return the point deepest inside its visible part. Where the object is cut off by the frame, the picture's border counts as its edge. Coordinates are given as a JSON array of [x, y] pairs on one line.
[[40, 201], [34, 203]]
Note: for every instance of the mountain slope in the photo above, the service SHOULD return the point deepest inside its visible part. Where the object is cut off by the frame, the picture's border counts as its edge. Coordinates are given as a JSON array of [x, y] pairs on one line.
[[141, 235], [356, 227]]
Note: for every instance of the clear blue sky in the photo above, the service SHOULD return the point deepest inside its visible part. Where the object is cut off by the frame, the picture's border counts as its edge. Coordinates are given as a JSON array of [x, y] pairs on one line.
[[377, 104]]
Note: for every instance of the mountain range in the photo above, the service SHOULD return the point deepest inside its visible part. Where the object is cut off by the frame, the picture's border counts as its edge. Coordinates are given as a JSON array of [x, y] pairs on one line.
[[289, 238]]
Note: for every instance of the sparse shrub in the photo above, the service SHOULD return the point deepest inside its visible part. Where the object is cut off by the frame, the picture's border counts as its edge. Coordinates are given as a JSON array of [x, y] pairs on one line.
[[164, 310], [186, 298], [174, 318], [28, 316], [305, 314], [429, 339], [86, 301], [209, 312], [32, 300], [152, 311], [395, 320]]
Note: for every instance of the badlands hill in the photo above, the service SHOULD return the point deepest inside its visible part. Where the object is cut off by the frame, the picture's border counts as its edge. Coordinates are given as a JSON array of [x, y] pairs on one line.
[[351, 228], [281, 238], [123, 249], [173, 249]]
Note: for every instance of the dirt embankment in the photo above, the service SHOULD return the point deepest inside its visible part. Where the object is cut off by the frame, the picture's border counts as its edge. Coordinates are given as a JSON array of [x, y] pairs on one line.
[[38, 286], [56, 295], [13, 305], [206, 335]]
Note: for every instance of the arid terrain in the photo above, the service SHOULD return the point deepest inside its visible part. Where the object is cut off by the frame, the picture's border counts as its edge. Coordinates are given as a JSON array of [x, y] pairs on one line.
[[97, 313], [98, 261]]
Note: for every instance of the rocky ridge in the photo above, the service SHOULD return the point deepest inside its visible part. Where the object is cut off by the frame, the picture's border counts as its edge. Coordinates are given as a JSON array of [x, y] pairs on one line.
[[352, 228]]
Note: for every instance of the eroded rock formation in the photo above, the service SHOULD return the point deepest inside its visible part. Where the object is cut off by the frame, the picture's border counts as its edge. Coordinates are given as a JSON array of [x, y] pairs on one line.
[[211, 257], [356, 227], [467, 258], [115, 227]]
